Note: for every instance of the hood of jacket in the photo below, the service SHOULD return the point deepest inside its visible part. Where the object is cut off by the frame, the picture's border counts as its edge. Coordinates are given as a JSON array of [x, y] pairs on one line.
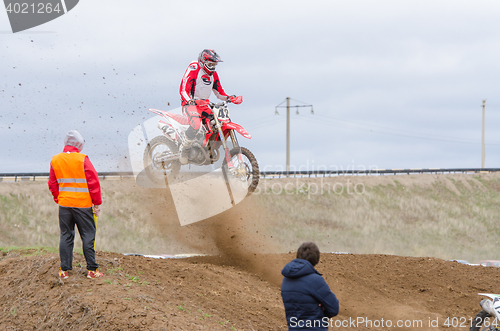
[[298, 268], [75, 139]]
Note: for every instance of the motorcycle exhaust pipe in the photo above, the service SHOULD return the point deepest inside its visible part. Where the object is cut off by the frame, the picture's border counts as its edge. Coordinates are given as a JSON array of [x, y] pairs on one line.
[[170, 157]]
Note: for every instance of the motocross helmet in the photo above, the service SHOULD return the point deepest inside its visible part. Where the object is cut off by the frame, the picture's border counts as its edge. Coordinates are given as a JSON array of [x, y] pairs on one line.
[[208, 59]]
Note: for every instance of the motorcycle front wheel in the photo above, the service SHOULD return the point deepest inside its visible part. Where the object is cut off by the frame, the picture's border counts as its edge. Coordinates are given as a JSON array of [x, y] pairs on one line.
[[250, 164], [484, 322], [156, 169]]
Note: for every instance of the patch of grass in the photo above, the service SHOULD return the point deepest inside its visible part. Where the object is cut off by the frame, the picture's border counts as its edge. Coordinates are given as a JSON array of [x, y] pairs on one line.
[[6, 252], [439, 216], [28, 216], [183, 308], [30, 250], [204, 315], [135, 279]]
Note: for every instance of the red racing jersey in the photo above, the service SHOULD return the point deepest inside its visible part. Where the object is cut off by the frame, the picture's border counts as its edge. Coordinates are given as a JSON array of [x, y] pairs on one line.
[[197, 84]]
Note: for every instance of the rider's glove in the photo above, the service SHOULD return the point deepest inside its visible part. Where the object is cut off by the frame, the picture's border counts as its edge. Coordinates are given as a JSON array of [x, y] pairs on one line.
[[191, 102], [236, 100]]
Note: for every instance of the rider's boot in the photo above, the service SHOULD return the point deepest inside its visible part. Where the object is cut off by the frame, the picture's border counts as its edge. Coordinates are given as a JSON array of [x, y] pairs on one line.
[[192, 136], [184, 151], [185, 147]]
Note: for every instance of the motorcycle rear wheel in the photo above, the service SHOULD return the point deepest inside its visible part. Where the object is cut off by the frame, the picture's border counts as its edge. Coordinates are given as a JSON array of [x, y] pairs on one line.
[[251, 165], [157, 170], [478, 324]]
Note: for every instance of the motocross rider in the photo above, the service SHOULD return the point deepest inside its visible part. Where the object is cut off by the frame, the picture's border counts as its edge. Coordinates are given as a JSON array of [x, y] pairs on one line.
[[197, 84]]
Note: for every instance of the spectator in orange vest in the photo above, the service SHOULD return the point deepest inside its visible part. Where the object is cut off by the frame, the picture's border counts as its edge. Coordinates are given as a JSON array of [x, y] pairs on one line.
[[74, 183]]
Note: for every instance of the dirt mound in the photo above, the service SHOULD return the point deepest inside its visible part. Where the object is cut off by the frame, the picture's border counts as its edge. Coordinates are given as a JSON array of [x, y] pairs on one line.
[[214, 293]]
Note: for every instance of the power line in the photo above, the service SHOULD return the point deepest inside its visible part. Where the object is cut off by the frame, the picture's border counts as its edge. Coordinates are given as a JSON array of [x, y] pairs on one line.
[[382, 127], [337, 122], [264, 123], [260, 120], [315, 121]]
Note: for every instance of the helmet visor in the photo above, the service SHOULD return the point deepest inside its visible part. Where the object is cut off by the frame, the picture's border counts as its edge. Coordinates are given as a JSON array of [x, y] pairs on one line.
[[210, 65]]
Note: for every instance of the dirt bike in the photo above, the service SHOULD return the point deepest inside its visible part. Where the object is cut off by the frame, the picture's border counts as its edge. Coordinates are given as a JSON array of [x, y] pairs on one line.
[[489, 317], [161, 155]]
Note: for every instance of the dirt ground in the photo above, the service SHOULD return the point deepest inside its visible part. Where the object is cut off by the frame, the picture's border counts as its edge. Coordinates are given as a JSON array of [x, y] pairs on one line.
[[235, 287], [214, 293]]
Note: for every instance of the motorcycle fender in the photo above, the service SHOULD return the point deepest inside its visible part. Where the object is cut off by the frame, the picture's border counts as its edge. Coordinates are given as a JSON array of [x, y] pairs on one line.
[[170, 133], [491, 307], [238, 128]]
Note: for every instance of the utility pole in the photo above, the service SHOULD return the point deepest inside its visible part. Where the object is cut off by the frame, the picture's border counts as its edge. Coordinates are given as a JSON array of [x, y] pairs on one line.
[[288, 126], [288, 134], [483, 149]]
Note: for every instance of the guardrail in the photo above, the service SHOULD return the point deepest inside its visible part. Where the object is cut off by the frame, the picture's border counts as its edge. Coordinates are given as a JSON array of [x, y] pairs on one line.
[[343, 172], [27, 176]]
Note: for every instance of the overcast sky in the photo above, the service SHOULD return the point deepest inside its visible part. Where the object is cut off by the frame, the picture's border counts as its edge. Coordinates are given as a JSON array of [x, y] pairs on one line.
[[394, 84]]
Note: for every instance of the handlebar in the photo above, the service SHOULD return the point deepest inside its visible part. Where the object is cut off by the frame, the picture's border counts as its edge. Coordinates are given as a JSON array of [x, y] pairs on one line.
[[210, 104], [223, 103]]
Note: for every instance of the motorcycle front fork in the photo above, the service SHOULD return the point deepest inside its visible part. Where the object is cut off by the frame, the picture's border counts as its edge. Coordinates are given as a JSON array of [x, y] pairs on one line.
[[233, 170], [241, 171], [227, 153]]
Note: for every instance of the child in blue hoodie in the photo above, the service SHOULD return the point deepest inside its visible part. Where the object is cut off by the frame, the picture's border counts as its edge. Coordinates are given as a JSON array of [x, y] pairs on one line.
[[309, 302]]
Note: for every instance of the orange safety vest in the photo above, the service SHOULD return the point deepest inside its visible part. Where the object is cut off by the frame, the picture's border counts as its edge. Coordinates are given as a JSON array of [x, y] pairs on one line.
[[70, 174]]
